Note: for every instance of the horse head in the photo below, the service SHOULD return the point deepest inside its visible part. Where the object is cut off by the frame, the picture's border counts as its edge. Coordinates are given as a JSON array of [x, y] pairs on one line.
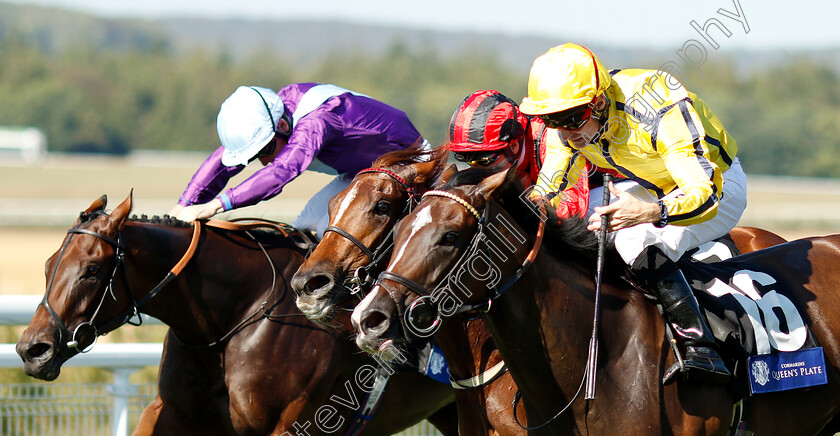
[[443, 235], [79, 280], [357, 241]]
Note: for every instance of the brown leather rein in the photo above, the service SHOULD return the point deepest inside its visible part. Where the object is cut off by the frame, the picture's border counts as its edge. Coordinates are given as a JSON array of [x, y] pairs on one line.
[[72, 345]]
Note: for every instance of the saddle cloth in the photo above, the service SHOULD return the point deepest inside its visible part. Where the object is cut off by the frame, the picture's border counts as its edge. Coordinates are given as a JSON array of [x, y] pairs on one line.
[[748, 309]]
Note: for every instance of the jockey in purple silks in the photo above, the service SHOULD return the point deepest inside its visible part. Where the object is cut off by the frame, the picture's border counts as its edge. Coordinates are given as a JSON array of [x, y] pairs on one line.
[[312, 126]]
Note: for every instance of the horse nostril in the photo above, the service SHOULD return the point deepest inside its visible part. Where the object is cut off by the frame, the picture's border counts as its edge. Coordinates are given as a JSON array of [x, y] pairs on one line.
[[376, 321], [37, 350], [318, 281]]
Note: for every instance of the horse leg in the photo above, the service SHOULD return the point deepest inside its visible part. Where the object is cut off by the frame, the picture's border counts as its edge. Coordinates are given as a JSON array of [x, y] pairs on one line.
[[148, 418], [446, 420], [158, 418], [191, 398]]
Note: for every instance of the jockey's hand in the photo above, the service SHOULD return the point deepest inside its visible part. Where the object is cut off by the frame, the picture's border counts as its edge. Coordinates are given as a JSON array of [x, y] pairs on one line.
[[200, 211], [627, 211], [175, 210]]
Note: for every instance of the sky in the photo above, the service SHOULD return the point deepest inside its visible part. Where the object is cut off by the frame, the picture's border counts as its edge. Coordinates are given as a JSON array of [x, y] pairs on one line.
[[730, 24]]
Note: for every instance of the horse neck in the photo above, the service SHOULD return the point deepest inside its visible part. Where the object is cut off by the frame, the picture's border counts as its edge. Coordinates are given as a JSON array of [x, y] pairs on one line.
[[222, 281], [545, 318], [467, 346]]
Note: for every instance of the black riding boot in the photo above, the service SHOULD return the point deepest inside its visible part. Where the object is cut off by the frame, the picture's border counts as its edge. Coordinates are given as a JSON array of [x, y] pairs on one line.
[[702, 363]]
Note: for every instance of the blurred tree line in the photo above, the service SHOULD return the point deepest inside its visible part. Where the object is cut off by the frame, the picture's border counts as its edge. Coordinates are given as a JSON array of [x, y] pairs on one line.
[[113, 102], [786, 119]]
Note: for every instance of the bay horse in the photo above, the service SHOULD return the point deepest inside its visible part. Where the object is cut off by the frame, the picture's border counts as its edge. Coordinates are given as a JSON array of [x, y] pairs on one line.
[[238, 358], [362, 216], [543, 319], [369, 208]]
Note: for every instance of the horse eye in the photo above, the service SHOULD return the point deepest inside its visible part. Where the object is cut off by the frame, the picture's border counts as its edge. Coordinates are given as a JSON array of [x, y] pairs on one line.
[[449, 238], [381, 207], [92, 271]]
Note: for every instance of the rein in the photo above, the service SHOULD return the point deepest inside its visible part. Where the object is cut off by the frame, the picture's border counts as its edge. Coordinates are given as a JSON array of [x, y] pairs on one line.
[[358, 281], [475, 244], [426, 296], [287, 231], [72, 345]]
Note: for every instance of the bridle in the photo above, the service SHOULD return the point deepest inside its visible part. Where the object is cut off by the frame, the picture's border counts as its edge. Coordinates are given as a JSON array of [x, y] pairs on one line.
[[479, 239], [71, 346], [361, 277], [428, 297]]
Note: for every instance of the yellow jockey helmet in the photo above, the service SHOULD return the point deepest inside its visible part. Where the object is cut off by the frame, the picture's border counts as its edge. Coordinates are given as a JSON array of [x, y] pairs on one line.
[[566, 76]]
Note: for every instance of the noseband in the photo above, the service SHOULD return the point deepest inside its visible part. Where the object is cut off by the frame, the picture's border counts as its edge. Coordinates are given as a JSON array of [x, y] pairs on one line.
[[427, 297], [71, 346], [361, 276]]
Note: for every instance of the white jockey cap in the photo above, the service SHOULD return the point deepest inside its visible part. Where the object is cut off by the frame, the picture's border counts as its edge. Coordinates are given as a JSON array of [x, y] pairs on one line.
[[246, 122]]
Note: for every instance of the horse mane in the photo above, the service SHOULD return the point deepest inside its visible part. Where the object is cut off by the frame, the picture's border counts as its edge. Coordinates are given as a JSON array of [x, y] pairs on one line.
[[406, 156], [262, 233], [165, 220], [398, 159]]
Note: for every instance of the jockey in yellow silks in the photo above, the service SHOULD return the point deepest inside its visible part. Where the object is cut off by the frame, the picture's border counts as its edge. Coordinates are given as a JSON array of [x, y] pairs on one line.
[[684, 186]]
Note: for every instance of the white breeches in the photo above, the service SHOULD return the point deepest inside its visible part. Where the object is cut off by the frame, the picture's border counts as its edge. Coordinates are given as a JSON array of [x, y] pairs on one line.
[[315, 215], [675, 240]]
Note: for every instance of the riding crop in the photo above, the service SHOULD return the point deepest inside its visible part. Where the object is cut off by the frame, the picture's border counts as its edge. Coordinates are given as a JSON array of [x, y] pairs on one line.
[[592, 360]]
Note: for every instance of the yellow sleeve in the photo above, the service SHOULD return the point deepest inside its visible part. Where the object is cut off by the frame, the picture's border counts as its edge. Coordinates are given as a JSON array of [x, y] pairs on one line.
[[561, 169], [680, 140]]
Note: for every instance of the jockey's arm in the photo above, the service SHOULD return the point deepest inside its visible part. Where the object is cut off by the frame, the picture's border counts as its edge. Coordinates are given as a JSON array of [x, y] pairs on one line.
[[561, 170], [303, 146]]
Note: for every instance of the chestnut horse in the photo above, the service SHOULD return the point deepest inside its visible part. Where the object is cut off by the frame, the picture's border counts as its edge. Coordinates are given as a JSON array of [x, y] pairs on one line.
[[370, 206], [361, 217], [543, 319], [238, 358]]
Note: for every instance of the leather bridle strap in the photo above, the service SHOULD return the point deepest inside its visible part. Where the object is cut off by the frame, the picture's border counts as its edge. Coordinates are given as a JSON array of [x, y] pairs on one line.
[[408, 189], [408, 283], [395, 176], [368, 252], [197, 226], [111, 241], [127, 314], [526, 264]]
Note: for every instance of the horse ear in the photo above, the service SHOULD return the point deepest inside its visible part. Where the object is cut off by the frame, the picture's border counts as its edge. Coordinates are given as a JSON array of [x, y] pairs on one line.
[[120, 214], [97, 205], [425, 171], [446, 175], [492, 185]]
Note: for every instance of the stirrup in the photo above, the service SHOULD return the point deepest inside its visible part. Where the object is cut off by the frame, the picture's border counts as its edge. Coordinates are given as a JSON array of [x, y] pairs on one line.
[[701, 365]]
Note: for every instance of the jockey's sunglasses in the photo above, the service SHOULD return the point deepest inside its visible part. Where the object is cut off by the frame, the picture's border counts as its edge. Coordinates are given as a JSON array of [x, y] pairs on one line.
[[481, 159], [572, 119], [268, 149]]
